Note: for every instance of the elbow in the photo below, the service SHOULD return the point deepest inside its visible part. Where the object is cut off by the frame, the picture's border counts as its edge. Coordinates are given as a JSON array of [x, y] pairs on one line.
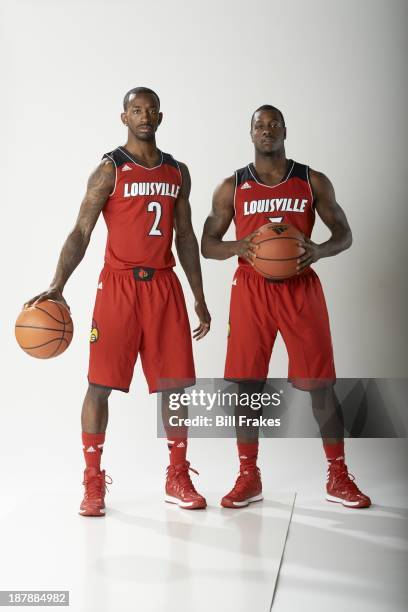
[[204, 249], [81, 235], [349, 240]]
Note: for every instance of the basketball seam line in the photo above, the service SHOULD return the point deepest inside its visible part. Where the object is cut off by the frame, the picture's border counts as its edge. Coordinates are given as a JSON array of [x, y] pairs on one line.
[[67, 331], [30, 348], [277, 258], [50, 315], [63, 331], [278, 238]]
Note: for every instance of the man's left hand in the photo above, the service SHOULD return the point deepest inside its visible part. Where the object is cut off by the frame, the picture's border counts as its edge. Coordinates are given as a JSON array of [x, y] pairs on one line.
[[311, 255], [205, 320]]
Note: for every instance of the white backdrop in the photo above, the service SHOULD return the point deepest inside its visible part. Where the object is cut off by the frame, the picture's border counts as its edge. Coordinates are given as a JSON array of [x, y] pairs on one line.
[[337, 71]]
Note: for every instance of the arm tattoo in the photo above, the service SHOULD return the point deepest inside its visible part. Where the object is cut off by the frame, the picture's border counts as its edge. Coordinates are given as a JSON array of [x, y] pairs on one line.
[[100, 185]]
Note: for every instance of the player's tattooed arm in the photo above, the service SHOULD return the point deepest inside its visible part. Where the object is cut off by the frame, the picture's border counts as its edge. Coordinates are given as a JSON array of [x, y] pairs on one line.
[[100, 185], [188, 253], [332, 216], [217, 223]]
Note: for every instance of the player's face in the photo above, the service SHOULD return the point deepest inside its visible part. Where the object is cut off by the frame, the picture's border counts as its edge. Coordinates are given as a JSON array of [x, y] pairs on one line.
[[267, 131], [142, 116]]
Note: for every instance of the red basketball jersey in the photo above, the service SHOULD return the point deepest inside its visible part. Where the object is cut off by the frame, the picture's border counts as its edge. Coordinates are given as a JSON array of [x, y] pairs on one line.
[[290, 201], [139, 213]]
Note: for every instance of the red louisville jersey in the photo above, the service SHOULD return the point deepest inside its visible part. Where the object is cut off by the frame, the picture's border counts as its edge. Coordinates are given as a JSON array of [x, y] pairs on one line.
[[290, 201], [139, 213]]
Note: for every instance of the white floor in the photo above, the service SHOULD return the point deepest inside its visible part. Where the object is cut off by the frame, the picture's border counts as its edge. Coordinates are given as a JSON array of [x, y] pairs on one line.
[[150, 556], [344, 560], [147, 555]]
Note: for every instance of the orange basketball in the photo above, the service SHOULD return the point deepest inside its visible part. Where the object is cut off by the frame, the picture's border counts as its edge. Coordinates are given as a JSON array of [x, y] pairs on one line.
[[278, 250], [44, 330]]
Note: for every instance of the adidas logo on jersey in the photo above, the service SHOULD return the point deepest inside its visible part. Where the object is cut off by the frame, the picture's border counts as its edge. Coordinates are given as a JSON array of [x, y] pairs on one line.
[[126, 167], [275, 219], [246, 186]]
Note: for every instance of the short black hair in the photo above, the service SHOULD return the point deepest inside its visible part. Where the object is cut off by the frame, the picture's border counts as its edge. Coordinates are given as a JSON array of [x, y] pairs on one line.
[[268, 107], [139, 90]]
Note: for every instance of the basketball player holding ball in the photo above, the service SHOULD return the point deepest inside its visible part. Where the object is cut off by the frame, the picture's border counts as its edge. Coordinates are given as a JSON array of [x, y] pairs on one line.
[[275, 189], [143, 194]]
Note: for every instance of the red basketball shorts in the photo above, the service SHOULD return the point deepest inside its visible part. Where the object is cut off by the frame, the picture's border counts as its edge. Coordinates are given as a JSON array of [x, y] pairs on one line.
[[146, 316], [297, 309]]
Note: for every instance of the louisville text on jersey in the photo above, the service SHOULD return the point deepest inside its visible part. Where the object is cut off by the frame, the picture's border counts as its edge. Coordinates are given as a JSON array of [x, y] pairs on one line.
[[150, 189], [275, 205]]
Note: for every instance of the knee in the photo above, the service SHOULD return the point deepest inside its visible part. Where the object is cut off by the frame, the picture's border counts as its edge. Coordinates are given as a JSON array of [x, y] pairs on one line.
[[98, 392]]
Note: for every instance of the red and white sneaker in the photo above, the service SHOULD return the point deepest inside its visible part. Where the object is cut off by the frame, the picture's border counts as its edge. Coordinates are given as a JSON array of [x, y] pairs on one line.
[[95, 482], [342, 489], [247, 489], [179, 488]]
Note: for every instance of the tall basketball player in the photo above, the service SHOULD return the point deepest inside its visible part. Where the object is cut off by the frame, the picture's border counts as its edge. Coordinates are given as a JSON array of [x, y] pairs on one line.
[[295, 307], [143, 194]]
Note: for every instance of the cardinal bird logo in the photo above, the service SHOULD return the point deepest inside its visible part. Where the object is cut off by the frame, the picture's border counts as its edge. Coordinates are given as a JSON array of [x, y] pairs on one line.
[[94, 332], [143, 274]]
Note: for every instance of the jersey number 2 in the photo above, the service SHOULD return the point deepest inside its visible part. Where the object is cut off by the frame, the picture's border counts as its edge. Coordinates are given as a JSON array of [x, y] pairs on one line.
[[155, 207]]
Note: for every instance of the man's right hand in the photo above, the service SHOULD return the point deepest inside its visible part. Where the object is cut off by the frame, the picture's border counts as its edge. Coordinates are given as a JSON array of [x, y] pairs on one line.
[[51, 294], [246, 248], [217, 223]]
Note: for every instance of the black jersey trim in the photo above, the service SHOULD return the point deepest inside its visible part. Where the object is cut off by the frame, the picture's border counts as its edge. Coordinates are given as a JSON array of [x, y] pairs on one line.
[[112, 159], [121, 156], [242, 176], [169, 160], [313, 203], [117, 157], [286, 176], [300, 171], [133, 159]]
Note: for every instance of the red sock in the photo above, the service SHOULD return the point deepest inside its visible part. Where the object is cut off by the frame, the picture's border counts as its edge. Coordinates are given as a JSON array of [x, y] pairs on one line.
[[93, 448], [248, 454], [334, 452], [177, 449]]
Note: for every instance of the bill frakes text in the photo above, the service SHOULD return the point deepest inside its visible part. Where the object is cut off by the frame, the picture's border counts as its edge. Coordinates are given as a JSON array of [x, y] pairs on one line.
[[223, 421]]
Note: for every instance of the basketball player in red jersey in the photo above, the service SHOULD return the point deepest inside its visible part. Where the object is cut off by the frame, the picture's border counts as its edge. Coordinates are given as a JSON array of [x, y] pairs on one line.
[[143, 194], [277, 189]]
